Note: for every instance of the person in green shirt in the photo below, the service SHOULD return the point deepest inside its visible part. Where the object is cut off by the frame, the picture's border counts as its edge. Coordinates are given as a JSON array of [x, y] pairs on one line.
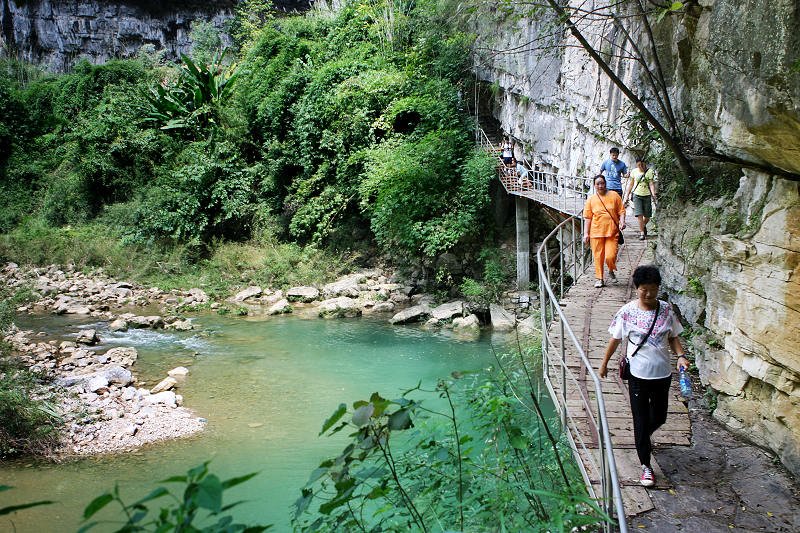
[[643, 188]]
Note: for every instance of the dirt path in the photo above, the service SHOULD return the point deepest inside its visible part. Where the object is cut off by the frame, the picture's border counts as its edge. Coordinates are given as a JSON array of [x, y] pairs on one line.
[[721, 483]]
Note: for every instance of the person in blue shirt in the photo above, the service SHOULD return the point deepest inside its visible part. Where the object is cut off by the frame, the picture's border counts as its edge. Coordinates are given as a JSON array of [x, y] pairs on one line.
[[614, 170]]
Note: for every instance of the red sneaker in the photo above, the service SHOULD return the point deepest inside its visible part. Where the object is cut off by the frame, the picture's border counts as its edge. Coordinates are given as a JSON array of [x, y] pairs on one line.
[[647, 479]]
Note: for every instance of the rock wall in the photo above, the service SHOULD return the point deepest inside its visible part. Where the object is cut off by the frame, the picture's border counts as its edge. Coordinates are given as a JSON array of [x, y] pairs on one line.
[[56, 33], [730, 260], [734, 273], [731, 67]]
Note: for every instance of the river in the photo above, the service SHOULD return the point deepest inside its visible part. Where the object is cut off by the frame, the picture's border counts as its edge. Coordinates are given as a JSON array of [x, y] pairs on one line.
[[285, 373]]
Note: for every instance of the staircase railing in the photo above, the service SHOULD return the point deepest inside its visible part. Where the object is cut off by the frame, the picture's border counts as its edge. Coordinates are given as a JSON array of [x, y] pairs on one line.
[[557, 336]]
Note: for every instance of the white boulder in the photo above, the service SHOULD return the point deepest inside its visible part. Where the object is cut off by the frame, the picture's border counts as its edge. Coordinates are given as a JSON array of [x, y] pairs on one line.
[[302, 294], [502, 320]]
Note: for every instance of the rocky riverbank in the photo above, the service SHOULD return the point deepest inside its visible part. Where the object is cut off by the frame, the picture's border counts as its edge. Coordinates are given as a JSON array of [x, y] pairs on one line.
[[106, 409], [102, 408]]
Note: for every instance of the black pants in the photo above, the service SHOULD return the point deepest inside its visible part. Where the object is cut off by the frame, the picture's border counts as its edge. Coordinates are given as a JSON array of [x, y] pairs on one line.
[[649, 399]]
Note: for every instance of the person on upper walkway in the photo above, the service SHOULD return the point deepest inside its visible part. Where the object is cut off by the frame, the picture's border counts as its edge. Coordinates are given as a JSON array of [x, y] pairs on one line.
[[604, 219], [649, 359], [614, 170], [508, 151], [643, 188], [522, 174]]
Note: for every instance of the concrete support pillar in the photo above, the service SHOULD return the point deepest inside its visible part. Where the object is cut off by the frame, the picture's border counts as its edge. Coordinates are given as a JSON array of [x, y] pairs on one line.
[[523, 245]]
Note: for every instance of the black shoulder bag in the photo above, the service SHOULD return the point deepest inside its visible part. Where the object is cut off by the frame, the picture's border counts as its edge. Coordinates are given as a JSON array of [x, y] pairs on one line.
[[624, 363]]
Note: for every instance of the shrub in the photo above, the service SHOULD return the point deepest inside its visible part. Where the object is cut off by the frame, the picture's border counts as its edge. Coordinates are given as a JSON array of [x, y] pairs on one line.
[[421, 462], [199, 500], [29, 421]]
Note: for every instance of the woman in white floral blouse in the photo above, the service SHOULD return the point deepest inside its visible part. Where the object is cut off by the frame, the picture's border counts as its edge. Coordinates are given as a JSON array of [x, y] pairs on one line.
[[650, 369]]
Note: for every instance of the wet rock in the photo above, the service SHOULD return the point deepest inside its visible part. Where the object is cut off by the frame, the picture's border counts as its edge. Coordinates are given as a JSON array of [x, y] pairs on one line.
[[302, 294], [122, 355], [153, 321], [342, 307], [502, 320], [249, 292], [448, 310], [114, 374], [178, 371], [344, 287], [164, 385], [280, 307], [383, 307], [88, 337], [412, 314], [467, 324], [432, 323], [164, 397], [181, 325], [118, 325]]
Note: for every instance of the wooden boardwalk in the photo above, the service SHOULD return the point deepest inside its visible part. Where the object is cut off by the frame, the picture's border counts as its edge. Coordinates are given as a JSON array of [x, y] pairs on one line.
[[589, 312]]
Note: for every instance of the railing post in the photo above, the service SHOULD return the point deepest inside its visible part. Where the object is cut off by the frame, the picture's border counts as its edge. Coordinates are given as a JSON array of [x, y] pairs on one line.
[[543, 312], [561, 262], [575, 252], [563, 377]]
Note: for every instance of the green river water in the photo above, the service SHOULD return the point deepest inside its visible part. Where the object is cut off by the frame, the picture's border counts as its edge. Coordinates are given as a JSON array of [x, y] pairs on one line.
[[285, 373]]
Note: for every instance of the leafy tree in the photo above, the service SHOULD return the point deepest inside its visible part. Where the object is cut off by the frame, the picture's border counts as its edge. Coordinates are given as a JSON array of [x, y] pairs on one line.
[[206, 41]]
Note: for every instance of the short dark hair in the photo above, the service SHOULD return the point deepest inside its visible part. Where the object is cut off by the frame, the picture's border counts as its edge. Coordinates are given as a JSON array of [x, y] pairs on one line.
[[646, 274], [614, 149], [639, 160], [598, 176]]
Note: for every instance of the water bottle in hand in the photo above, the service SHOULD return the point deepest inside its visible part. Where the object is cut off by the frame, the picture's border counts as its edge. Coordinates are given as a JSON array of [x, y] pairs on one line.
[[686, 385]]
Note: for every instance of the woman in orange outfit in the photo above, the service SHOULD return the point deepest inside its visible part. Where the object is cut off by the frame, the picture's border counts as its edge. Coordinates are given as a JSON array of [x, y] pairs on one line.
[[604, 216]]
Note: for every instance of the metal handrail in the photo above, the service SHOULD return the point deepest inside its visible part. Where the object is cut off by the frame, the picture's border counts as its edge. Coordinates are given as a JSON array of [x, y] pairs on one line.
[[554, 354]]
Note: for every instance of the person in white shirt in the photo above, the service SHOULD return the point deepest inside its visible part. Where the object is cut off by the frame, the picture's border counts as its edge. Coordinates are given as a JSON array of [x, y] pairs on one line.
[[650, 372]]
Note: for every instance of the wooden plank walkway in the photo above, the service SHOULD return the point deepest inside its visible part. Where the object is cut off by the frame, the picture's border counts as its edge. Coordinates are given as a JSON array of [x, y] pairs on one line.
[[589, 312]]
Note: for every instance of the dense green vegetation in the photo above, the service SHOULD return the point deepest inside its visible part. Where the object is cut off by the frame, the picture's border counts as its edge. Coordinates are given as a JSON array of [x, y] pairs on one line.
[[344, 134]]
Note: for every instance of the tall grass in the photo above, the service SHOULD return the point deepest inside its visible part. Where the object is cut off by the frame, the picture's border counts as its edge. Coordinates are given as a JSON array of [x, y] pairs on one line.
[[263, 260]]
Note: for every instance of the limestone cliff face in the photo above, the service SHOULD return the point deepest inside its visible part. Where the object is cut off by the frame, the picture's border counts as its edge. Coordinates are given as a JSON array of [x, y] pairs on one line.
[[733, 267], [731, 67], [56, 33], [731, 263]]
